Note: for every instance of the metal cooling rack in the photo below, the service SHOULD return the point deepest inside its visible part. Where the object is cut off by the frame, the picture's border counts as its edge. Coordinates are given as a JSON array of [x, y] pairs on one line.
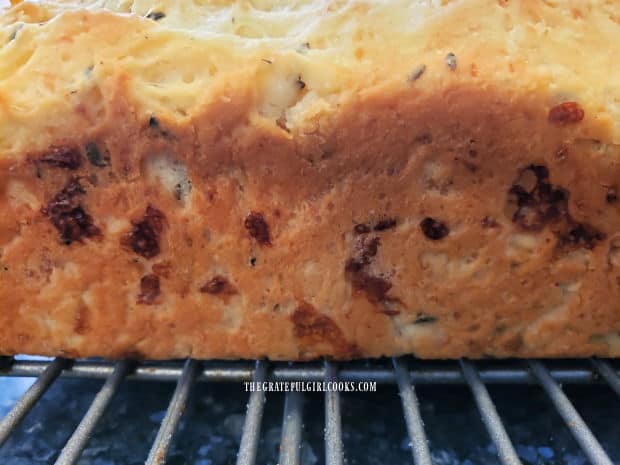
[[405, 372]]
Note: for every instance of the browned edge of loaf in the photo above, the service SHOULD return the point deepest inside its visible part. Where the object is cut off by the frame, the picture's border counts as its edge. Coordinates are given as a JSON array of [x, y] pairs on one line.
[[280, 250]]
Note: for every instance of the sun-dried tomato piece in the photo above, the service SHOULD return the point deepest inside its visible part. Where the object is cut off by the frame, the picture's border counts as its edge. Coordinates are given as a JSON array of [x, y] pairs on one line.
[[544, 204], [566, 113], [68, 215], [63, 157], [374, 287], [315, 329], [258, 228], [74, 225], [143, 239], [218, 285], [580, 235], [149, 289]]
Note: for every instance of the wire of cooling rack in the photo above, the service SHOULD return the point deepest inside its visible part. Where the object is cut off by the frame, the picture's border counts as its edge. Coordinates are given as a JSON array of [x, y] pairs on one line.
[[405, 372]]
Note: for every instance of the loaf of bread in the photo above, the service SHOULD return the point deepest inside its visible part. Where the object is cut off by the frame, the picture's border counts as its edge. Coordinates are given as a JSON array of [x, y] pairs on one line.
[[295, 179]]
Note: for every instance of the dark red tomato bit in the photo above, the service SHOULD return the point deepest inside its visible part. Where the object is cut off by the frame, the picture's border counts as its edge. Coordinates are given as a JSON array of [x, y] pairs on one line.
[[218, 285], [149, 289], [63, 157], [74, 225], [258, 228], [566, 113], [374, 287], [68, 216], [581, 235], [144, 237]]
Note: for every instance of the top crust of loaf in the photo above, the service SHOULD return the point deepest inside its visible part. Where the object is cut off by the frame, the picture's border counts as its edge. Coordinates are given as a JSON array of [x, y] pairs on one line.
[[62, 62]]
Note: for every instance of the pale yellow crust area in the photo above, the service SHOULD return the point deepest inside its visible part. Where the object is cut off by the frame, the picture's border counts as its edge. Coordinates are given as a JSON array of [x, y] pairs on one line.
[[295, 153]]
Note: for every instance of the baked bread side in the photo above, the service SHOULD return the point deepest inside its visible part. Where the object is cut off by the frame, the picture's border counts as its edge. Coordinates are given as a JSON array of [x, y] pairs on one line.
[[236, 181]]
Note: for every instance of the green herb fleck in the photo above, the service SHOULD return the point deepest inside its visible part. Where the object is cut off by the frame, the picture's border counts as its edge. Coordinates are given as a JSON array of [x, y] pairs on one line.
[[94, 156], [156, 15], [300, 83], [156, 126], [451, 61], [424, 318], [303, 48], [416, 73], [13, 34]]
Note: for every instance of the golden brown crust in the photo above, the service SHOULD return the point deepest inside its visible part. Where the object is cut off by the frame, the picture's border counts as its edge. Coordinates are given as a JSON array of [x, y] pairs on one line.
[[441, 218], [488, 287]]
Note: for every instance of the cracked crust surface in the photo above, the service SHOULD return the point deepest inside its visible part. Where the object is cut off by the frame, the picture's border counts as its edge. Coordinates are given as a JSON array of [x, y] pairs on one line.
[[193, 185]]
